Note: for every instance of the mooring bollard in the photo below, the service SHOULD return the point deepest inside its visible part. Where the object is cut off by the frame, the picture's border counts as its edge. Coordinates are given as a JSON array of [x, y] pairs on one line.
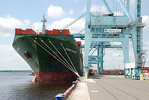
[[146, 78], [59, 97], [141, 77], [86, 75]]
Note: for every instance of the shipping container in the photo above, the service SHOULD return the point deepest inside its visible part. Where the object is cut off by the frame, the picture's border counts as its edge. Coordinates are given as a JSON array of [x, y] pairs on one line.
[[18, 31], [27, 31], [40, 32], [66, 32], [49, 32], [55, 32]]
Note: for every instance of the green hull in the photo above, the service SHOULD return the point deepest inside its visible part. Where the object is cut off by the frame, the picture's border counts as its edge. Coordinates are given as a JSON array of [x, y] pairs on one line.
[[42, 51]]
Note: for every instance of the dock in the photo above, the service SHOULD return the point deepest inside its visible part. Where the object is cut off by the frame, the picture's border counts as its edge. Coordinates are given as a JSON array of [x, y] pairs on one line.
[[110, 87]]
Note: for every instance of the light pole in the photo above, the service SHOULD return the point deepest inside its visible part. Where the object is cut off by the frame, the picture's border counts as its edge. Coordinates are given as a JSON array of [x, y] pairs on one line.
[[119, 63], [114, 67]]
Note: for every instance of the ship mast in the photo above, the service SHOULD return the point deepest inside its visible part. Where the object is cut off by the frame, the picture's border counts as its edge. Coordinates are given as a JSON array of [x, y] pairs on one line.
[[43, 26]]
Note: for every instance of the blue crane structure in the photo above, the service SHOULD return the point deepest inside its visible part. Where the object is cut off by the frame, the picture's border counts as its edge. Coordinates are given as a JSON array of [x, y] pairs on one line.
[[101, 29]]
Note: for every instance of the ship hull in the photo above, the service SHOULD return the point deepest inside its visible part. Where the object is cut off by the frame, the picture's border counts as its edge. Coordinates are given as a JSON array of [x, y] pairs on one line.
[[50, 57], [54, 77]]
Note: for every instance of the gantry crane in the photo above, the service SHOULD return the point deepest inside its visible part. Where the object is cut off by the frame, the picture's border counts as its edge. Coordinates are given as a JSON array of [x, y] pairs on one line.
[[101, 29]]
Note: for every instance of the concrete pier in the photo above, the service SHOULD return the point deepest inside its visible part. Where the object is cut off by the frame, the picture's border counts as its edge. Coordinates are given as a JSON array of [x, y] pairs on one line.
[[110, 88], [80, 92]]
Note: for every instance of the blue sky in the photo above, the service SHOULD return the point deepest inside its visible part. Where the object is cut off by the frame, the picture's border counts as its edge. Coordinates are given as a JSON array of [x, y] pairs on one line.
[[28, 13]]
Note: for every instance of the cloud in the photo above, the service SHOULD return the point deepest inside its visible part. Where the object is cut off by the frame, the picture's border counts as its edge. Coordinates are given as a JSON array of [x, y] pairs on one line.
[[8, 25], [132, 2], [96, 8], [37, 26], [145, 20], [9, 22], [26, 22], [146, 47], [73, 29], [118, 13], [112, 60], [10, 60], [55, 11]]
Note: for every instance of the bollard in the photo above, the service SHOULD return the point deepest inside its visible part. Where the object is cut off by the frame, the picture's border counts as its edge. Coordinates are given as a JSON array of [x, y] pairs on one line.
[[146, 78], [86, 75], [59, 97], [141, 77]]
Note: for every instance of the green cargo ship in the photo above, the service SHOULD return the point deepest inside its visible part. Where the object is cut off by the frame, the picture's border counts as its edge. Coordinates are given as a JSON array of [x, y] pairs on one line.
[[53, 55]]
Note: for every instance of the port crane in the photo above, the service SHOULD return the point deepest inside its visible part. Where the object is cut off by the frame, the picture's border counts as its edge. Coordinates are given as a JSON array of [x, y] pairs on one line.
[[102, 29]]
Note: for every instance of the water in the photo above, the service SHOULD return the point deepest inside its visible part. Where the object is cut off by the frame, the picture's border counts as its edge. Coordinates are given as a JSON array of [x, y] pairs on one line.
[[18, 86]]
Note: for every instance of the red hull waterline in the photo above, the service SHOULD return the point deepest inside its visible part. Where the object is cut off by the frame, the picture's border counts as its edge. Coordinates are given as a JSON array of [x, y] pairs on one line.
[[54, 77]]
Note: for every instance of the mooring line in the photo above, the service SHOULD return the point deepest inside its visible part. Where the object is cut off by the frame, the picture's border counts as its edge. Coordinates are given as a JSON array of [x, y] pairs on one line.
[[62, 55], [56, 54], [69, 59], [51, 54]]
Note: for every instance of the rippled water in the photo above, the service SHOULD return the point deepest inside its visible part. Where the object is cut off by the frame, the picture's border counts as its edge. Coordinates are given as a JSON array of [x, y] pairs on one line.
[[18, 86]]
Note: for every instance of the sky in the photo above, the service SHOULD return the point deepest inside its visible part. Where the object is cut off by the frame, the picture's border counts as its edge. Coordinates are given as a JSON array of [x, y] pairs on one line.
[[28, 14]]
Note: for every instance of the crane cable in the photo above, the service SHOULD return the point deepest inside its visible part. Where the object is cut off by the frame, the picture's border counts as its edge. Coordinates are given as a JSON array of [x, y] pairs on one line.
[[74, 21], [68, 57]]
